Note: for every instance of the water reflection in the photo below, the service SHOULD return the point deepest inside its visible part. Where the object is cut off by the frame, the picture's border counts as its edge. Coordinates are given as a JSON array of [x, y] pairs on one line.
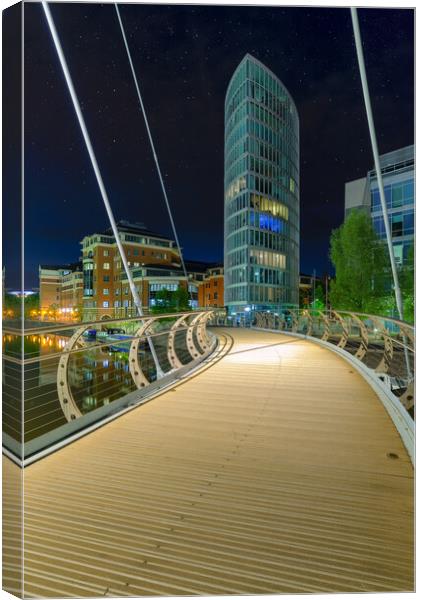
[[33, 345], [97, 376]]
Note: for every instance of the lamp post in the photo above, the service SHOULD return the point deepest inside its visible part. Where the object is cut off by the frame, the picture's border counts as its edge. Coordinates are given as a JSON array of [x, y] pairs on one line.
[[314, 288], [247, 310], [142, 282], [327, 290]]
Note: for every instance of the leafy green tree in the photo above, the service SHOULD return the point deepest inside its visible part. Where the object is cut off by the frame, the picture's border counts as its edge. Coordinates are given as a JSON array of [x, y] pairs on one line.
[[167, 301], [361, 264], [407, 280], [319, 298], [31, 304], [162, 301], [53, 309], [78, 313], [181, 297], [12, 306]]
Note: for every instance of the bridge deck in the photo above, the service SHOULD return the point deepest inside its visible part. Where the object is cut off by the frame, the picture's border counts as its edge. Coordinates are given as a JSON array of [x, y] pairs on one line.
[[267, 473]]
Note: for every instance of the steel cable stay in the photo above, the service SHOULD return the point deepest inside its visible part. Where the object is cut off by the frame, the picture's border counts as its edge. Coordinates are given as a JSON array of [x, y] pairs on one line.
[[376, 156], [97, 171], [158, 168]]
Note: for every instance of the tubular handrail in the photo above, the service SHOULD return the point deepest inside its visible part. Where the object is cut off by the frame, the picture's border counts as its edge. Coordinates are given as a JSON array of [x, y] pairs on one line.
[[385, 345], [66, 391], [95, 346], [368, 316], [68, 326]]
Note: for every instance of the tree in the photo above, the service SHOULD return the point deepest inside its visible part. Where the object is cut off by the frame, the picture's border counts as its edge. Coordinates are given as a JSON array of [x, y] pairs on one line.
[[31, 304], [78, 311], [162, 301], [319, 298], [12, 305], [53, 309], [167, 301], [181, 298], [406, 277], [361, 264]]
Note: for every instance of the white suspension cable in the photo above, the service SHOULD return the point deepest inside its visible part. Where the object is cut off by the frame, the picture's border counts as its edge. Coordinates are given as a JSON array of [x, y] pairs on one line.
[[95, 166], [142, 106], [363, 74]]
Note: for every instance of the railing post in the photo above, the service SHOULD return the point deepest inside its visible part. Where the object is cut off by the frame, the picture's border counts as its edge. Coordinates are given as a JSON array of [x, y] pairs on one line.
[[171, 352], [345, 332], [136, 371], [363, 347], [384, 364], [68, 405]]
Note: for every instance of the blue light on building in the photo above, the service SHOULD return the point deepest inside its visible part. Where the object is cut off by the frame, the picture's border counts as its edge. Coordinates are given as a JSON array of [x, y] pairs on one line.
[[261, 250]]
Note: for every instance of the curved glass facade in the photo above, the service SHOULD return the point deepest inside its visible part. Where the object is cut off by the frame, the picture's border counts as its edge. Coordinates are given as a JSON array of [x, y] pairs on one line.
[[261, 228]]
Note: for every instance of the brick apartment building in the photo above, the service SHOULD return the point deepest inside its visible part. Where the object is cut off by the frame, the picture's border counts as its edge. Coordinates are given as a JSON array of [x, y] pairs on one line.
[[99, 283], [211, 290], [61, 288]]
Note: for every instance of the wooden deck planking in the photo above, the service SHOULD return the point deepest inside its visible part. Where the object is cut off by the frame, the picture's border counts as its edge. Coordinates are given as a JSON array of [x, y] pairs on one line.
[[267, 473]]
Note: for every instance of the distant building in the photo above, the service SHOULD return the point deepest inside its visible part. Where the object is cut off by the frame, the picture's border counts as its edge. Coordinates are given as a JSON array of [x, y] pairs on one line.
[[211, 291], [209, 281], [155, 265], [153, 258], [98, 285], [308, 283], [398, 180], [261, 249], [61, 287]]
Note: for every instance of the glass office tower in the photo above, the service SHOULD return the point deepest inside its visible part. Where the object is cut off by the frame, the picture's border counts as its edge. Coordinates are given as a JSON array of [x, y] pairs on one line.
[[261, 228], [398, 174]]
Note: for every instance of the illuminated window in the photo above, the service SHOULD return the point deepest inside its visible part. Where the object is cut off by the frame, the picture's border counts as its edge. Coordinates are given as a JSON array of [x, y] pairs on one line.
[[398, 253], [106, 266]]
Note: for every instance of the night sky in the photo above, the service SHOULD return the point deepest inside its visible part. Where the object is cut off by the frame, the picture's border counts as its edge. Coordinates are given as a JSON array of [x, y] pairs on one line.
[[184, 57]]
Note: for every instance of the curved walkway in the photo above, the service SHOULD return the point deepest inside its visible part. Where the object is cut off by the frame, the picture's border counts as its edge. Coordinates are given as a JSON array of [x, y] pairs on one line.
[[269, 472]]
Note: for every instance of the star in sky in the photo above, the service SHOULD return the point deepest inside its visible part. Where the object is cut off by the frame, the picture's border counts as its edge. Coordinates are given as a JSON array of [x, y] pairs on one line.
[[184, 57]]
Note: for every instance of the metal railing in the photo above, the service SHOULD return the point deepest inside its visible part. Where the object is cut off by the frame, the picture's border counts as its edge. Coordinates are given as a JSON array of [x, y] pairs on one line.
[[59, 381], [383, 345]]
